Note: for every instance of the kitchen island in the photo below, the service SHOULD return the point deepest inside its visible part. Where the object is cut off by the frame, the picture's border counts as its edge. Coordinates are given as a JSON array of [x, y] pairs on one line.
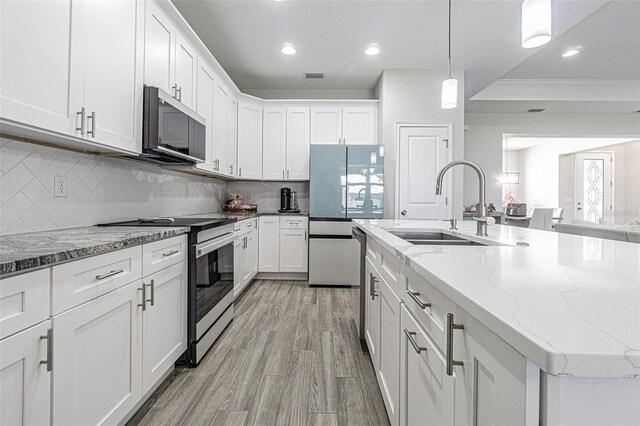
[[568, 308]]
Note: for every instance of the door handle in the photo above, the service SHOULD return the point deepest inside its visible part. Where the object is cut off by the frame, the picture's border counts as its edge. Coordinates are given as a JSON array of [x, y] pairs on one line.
[[144, 297], [152, 286], [82, 114], [49, 338], [403, 212], [175, 91], [414, 296], [92, 132], [372, 286], [239, 171], [179, 93], [579, 208], [451, 326], [410, 335]]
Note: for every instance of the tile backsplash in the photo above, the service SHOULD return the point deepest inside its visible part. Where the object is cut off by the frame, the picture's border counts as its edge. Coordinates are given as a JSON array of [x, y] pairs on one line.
[[99, 189], [267, 194]]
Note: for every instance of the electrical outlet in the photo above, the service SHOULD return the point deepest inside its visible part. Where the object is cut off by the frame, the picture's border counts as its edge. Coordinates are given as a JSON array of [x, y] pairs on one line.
[[60, 186]]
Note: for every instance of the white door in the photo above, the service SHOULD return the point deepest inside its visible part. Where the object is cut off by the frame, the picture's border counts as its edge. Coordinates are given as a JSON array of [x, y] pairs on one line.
[[372, 313], [25, 394], [269, 244], [427, 393], [35, 64], [274, 143], [359, 126], [186, 71], [293, 250], [204, 107], [490, 386], [221, 127], [593, 186], [249, 141], [388, 377], [298, 134], [112, 65], [159, 50], [98, 359], [423, 153], [326, 125], [164, 323], [232, 143]]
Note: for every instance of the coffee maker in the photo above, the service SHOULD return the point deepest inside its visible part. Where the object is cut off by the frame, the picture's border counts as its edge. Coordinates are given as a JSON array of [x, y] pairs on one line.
[[288, 202]]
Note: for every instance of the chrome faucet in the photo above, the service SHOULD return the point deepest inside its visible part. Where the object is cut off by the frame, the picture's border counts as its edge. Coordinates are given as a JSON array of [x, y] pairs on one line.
[[481, 216]]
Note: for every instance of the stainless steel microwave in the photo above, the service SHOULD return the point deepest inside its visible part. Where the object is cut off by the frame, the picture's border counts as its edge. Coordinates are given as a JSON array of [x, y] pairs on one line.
[[171, 132]]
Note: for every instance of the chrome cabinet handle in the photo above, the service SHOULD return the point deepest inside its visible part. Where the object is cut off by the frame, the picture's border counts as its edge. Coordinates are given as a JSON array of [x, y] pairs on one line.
[[92, 132], [287, 173], [152, 286], [305, 235], [109, 274], [450, 327], [231, 168], [49, 338], [171, 253], [282, 173], [372, 286], [179, 94], [82, 120], [175, 91], [410, 335], [144, 297], [239, 171], [414, 295]]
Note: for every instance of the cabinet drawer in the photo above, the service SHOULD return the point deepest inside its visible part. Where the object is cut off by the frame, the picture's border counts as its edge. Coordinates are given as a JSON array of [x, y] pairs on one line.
[[24, 301], [80, 281], [431, 317], [389, 266], [250, 224], [293, 222], [160, 254]]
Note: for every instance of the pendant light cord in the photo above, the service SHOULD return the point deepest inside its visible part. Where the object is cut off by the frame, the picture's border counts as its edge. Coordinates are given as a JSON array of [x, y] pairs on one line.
[[449, 38]]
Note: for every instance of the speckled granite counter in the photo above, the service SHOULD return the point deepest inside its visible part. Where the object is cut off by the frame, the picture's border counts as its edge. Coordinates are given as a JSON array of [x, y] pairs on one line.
[[22, 252]]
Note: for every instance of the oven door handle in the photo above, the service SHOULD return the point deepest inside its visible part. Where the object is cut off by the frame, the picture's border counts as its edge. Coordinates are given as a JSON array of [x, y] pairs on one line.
[[206, 248]]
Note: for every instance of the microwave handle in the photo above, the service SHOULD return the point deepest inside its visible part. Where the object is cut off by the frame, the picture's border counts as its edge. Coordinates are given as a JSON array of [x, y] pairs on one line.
[[179, 154], [202, 249]]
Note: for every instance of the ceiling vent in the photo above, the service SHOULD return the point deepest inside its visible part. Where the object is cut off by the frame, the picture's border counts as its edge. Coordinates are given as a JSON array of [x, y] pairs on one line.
[[536, 109], [316, 75]]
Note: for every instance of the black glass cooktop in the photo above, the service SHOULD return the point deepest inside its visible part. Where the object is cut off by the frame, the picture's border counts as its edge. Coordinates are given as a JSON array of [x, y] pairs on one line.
[[178, 221]]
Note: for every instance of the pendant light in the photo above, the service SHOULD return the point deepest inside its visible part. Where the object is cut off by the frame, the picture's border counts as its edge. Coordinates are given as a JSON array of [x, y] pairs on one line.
[[450, 85], [536, 23]]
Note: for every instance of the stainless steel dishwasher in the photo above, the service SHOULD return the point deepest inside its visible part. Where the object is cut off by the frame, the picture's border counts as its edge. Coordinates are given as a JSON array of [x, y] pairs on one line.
[[358, 282]]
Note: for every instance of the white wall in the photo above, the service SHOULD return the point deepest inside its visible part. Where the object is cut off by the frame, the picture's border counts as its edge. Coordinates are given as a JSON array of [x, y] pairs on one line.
[[483, 139], [414, 96], [267, 194]]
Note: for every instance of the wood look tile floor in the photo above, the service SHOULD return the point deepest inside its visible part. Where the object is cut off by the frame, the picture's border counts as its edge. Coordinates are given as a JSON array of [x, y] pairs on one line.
[[291, 356]]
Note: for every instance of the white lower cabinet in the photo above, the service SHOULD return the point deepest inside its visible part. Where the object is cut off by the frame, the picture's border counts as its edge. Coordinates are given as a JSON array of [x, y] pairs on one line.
[[372, 314], [283, 245], [293, 250], [98, 358], [269, 244], [245, 253], [164, 322], [389, 357], [25, 383]]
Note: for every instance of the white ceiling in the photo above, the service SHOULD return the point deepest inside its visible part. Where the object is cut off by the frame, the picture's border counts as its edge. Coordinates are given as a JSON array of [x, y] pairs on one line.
[[569, 144], [330, 36]]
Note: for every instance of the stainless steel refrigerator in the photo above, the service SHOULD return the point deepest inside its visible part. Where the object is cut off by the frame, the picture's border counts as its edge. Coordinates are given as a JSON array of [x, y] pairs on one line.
[[346, 182]]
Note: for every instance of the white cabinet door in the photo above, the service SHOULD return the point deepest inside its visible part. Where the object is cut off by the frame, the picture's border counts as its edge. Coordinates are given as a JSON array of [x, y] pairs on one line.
[[221, 127], [326, 125], [25, 384], [427, 393], [372, 313], [159, 50], [35, 64], [298, 135], [232, 143], [98, 359], [491, 383], [274, 143], [163, 322], [359, 126], [204, 107], [238, 266], [293, 250], [253, 253], [186, 72], [109, 35], [249, 141], [389, 364], [269, 244]]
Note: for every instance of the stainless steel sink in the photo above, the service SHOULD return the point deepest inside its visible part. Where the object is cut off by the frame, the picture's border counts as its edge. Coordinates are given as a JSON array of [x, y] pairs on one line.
[[433, 238]]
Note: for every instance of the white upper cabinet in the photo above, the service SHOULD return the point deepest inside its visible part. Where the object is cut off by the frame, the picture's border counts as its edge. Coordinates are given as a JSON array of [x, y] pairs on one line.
[[34, 63], [204, 107], [348, 125], [105, 62], [298, 134], [221, 100], [186, 72], [232, 141], [249, 141], [159, 50], [326, 125], [274, 144]]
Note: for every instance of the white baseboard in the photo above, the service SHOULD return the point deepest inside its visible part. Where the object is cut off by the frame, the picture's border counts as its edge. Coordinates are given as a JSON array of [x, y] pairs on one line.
[[284, 276]]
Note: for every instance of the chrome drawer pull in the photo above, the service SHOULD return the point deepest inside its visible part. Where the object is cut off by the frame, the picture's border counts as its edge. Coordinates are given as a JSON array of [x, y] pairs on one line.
[[152, 300], [171, 253], [414, 295], [82, 114], [49, 361], [450, 327], [372, 286], [410, 335], [143, 289], [109, 274]]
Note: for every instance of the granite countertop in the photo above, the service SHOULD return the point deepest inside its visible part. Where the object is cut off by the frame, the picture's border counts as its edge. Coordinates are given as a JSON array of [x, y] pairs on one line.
[[22, 252], [569, 304]]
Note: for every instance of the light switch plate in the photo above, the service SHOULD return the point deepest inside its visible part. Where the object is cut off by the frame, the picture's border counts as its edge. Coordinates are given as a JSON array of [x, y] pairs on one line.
[[60, 186]]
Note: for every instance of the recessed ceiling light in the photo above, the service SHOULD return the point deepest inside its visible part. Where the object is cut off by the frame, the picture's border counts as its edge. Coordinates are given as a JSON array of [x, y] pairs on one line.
[[372, 50], [288, 49], [571, 52], [277, 0]]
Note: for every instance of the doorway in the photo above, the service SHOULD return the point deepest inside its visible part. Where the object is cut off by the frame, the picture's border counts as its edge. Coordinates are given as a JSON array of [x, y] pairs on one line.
[[593, 186]]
